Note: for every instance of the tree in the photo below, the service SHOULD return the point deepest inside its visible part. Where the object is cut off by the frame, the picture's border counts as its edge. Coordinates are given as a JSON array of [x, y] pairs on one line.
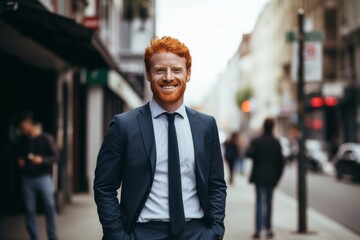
[[243, 94]]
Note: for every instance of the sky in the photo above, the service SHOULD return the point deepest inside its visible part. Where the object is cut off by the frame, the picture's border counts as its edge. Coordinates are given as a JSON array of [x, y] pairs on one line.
[[212, 29]]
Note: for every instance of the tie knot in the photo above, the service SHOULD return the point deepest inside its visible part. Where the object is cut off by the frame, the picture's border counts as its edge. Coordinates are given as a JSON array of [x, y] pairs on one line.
[[170, 117]]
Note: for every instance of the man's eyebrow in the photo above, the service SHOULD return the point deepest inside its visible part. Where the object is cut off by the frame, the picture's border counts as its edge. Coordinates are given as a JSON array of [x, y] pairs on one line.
[[173, 66]]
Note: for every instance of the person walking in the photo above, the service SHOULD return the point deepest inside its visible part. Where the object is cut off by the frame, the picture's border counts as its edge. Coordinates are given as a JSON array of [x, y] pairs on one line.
[[231, 154], [241, 156], [268, 165], [167, 159], [35, 154]]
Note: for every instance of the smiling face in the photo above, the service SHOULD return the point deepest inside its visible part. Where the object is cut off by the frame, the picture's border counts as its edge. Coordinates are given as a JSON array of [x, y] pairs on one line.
[[168, 76]]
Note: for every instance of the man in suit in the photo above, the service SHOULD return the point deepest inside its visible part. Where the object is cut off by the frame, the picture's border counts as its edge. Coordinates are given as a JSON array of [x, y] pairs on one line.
[[268, 165], [166, 158]]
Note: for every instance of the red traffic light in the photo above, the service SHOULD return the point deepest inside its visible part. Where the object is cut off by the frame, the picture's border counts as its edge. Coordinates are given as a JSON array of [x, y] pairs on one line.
[[317, 124], [331, 101], [316, 102]]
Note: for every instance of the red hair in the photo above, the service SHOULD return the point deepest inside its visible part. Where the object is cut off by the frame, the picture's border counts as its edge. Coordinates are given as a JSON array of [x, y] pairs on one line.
[[164, 45]]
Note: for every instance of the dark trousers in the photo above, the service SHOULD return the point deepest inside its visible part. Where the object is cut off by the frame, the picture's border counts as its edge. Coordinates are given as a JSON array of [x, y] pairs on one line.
[[194, 230], [231, 165], [264, 195]]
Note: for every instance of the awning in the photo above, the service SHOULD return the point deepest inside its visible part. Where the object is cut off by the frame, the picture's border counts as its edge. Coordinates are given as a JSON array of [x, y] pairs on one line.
[[73, 43]]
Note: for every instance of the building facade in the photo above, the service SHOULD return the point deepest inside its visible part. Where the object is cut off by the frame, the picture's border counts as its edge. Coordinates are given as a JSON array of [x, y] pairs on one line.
[[263, 68], [220, 101], [274, 87], [60, 60]]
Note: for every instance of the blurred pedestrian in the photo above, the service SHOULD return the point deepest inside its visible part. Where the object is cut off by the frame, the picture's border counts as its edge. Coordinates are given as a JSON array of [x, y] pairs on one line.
[[35, 154], [268, 165], [167, 159], [231, 154], [241, 143]]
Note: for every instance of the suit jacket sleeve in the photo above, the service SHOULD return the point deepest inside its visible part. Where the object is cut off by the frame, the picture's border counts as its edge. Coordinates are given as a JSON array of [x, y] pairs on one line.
[[108, 177], [217, 185]]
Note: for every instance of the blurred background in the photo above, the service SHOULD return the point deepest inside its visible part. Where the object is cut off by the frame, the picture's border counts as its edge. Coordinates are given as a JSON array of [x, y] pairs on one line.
[[76, 63]]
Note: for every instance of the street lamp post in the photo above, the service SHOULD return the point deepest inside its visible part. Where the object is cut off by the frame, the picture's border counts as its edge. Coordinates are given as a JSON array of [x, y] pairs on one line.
[[302, 196]]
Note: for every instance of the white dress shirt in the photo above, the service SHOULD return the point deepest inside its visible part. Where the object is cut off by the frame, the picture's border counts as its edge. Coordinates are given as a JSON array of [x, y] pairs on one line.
[[157, 205]]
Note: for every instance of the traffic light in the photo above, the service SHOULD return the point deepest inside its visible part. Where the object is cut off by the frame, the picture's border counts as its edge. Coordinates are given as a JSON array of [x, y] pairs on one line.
[[316, 102], [330, 101], [246, 106]]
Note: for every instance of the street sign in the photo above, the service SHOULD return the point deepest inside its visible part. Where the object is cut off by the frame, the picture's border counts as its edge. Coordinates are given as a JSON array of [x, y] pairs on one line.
[[308, 37], [312, 55], [312, 61], [97, 77], [91, 22]]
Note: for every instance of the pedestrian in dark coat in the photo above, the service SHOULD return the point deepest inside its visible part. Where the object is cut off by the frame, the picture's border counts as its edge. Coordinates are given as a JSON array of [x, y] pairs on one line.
[[231, 154], [268, 164]]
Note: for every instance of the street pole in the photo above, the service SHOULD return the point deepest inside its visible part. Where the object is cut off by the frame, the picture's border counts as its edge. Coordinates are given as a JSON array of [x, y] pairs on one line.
[[302, 164]]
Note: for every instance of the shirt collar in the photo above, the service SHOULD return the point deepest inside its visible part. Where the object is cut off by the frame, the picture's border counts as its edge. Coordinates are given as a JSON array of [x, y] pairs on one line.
[[157, 110]]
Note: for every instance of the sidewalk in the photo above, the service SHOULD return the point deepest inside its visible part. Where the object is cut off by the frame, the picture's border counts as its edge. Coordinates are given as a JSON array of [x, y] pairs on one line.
[[79, 221], [240, 217]]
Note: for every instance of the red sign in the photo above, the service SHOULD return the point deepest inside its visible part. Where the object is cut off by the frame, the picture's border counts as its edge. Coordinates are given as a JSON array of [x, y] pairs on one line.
[[309, 52], [91, 22], [314, 123]]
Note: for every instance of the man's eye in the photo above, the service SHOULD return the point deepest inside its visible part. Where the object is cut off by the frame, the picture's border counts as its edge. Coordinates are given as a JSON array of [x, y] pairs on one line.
[[159, 71], [177, 70]]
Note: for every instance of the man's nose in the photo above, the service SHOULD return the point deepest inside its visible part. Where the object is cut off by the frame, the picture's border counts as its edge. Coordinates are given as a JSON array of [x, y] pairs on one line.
[[168, 76]]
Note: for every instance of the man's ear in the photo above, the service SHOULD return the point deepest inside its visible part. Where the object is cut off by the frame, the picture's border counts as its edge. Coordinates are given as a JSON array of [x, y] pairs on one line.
[[147, 76], [188, 75]]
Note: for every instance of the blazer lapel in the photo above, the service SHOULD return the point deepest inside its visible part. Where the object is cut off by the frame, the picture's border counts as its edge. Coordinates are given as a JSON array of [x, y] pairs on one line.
[[198, 141], [147, 134]]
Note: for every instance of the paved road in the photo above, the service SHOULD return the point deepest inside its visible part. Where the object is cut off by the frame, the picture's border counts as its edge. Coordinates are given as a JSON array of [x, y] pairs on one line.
[[338, 200]]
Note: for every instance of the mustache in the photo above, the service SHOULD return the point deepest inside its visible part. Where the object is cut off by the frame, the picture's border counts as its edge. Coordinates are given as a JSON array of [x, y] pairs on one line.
[[164, 81]]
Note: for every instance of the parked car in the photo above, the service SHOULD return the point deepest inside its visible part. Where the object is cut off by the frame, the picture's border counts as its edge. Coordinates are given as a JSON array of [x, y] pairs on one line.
[[316, 155], [285, 147], [347, 161]]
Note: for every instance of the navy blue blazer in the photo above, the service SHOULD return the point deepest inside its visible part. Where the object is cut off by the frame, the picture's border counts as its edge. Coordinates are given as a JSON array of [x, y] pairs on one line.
[[127, 158]]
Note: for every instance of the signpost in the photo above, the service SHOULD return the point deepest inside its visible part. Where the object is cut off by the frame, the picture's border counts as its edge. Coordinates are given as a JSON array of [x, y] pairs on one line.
[[306, 67], [302, 191]]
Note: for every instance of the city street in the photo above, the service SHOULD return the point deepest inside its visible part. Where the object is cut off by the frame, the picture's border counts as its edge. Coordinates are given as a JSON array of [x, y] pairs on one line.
[[337, 200], [97, 94], [79, 219]]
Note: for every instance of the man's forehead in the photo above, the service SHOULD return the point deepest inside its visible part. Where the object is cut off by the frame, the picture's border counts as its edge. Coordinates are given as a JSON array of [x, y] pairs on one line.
[[167, 59]]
